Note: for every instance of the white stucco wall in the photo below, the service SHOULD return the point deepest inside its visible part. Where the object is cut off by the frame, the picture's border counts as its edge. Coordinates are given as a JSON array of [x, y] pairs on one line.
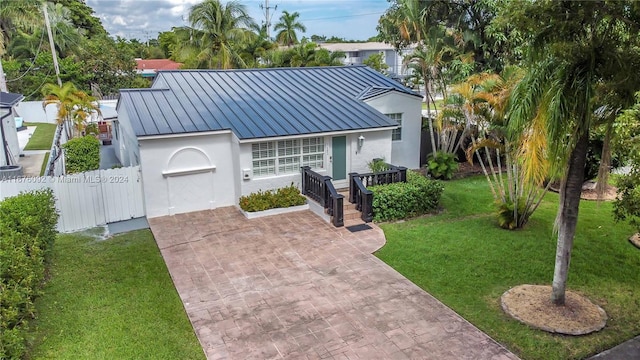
[[377, 144], [11, 136], [180, 189], [124, 140], [405, 152], [32, 111]]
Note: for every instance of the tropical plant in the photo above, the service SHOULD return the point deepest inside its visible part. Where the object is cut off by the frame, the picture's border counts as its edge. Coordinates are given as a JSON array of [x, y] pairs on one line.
[[575, 48], [485, 105], [442, 165], [376, 62], [74, 106], [19, 15], [220, 31], [627, 144], [377, 165], [288, 24]]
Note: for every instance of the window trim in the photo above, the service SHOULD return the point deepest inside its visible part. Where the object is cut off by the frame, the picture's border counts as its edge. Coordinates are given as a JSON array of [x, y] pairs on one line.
[[399, 121]]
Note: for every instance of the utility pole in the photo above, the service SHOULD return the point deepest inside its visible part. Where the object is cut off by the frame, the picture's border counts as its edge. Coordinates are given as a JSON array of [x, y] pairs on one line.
[[267, 18], [51, 44], [3, 81]]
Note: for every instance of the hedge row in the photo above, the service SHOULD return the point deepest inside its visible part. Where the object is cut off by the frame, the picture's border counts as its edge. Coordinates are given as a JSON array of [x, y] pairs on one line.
[[264, 200], [419, 195], [82, 154], [27, 232]]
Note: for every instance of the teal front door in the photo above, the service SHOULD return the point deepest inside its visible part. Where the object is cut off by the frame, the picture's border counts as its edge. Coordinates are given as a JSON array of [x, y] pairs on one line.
[[339, 157]]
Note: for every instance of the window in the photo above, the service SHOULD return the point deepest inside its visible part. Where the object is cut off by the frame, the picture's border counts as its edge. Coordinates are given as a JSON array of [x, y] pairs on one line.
[[396, 134], [287, 156]]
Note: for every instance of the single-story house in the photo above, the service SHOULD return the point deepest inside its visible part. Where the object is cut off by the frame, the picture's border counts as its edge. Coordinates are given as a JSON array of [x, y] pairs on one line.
[[203, 138]]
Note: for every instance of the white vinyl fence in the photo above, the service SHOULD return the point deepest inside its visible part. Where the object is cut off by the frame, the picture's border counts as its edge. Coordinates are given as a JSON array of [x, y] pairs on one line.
[[87, 199]]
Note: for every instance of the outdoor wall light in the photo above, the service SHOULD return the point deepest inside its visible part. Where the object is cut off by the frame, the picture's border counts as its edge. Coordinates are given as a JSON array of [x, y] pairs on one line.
[[360, 141]]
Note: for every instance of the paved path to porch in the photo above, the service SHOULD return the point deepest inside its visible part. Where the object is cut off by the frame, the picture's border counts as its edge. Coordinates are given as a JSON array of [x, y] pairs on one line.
[[292, 286]]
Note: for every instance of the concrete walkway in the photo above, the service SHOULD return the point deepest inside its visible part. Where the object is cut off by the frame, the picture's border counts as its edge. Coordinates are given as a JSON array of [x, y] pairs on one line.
[[293, 286]]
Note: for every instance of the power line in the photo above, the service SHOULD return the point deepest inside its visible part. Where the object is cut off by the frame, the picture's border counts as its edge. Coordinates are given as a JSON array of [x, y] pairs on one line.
[[41, 85]]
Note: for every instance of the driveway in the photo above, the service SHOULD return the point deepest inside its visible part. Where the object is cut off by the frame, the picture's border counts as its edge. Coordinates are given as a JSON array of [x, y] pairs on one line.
[[293, 286]]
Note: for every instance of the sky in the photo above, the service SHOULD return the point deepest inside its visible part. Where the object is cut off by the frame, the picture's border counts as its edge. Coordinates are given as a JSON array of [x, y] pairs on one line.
[[143, 19]]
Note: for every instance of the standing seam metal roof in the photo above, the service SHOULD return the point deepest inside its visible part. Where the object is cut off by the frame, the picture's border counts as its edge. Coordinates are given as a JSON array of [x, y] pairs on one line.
[[260, 103]]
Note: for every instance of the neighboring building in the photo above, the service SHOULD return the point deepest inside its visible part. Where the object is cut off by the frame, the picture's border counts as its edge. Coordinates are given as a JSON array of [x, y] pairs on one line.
[[356, 53], [150, 67], [204, 138], [10, 149]]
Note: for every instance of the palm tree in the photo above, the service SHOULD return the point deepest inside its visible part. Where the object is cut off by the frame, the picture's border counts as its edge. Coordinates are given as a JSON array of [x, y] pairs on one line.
[[560, 90], [324, 57], [288, 26], [73, 106], [303, 54], [15, 15], [221, 29], [429, 59], [258, 45]]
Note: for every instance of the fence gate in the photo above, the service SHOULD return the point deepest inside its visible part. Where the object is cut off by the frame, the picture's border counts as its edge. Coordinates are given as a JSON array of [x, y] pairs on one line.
[[87, 199]]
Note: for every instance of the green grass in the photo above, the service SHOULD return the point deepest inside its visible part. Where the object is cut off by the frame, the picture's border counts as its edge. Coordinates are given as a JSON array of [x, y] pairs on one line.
[[466, 261], [43, 167], [111, 299], [439, 104], [42, 138]]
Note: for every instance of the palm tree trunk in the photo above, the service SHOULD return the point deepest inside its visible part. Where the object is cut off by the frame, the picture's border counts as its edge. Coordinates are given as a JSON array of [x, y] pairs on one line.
[[570, 191], [429, 119]]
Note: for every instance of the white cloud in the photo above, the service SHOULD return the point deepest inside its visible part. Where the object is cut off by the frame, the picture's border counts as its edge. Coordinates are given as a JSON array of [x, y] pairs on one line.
[[145, 18]]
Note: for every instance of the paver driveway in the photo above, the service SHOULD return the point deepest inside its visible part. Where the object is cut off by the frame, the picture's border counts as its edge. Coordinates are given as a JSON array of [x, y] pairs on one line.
[[293, 286]]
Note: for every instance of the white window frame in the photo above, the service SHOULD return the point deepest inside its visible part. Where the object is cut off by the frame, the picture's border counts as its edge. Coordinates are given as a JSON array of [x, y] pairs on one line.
[[288, 156], [396, 134]]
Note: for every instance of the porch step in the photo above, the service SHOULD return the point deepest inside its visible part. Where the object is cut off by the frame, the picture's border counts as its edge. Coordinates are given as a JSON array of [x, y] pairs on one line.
[[350, 213]]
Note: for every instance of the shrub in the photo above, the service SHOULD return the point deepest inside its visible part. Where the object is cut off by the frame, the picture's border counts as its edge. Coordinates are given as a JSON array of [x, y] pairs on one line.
[[442, 165], [82, 154], [27, 232], [627, 205], [417, 196], [377, 165], [265, 200]]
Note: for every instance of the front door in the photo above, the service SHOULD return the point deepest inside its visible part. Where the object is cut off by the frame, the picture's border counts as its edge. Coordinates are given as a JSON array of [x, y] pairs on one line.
[[339, 157]]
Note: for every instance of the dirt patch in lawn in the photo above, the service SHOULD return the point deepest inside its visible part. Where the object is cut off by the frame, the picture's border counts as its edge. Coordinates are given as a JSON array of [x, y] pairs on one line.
[[635, 240], [589, 191], [531, 304]]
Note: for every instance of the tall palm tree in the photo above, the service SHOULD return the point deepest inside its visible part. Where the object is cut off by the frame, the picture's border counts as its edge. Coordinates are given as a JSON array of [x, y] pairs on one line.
[[568, 60], [288, 25], [221, 31], [429, 59]]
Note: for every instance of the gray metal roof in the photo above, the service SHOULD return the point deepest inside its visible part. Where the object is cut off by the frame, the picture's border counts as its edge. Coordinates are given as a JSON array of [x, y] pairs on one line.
[[7, 99], [259, 103]]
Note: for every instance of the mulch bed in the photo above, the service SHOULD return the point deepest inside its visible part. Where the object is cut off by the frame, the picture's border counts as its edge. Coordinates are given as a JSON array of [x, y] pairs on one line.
[[531, 304]]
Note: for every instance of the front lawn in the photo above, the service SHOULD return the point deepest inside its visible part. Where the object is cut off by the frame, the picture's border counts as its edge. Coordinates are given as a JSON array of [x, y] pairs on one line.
[[42, 138], [111, 299], [466, 261]]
